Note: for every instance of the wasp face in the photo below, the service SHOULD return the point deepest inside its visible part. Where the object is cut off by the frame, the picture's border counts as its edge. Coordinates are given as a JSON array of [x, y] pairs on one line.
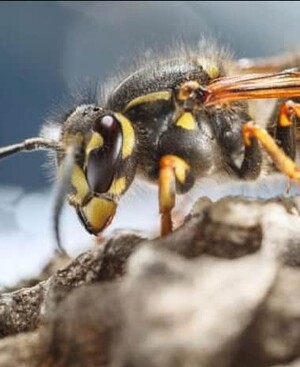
[[104, 166]]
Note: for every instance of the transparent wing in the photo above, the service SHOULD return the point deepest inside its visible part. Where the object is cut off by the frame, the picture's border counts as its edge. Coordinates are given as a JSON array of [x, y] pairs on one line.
[[254, 86], [271, 64]]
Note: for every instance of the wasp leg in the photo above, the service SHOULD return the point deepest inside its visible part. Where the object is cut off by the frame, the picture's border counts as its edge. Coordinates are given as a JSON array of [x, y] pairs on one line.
[[269, 64], [282, 161], [251, 165], [285, 136], [172, 170], [28, 145], [286, 127]]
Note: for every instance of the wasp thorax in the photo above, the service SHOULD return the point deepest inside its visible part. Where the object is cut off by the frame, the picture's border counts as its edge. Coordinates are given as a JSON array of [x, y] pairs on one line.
[[103, 153]]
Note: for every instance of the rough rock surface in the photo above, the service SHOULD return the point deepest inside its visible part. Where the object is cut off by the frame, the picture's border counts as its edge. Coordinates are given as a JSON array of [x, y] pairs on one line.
[[223, 290]]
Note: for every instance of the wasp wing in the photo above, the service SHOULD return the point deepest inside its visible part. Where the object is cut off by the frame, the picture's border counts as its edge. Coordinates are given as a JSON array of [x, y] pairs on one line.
[[271, 64], [254, 86]]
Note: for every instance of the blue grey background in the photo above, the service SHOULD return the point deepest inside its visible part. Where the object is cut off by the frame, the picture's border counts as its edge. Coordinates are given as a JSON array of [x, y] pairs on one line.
[[46, 47]]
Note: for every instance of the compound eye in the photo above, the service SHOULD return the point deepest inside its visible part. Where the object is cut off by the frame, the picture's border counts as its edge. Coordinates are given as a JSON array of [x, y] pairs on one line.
[[103, 160], [106, 124]]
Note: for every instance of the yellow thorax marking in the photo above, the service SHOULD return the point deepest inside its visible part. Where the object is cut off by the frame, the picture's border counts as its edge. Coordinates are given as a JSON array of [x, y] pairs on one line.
[[187, 121], [148, 98], [128, 135], [212, 70], [209, 67]]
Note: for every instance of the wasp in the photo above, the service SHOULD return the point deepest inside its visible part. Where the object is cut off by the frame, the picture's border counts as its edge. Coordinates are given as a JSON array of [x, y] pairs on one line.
[[172, 121]]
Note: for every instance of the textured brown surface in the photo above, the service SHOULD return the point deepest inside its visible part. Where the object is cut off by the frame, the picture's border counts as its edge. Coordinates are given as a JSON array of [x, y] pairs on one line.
[[223, 290]]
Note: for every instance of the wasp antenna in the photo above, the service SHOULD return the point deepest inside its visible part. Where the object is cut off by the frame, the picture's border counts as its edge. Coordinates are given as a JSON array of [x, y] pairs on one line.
[[61, 191], [28, 145]]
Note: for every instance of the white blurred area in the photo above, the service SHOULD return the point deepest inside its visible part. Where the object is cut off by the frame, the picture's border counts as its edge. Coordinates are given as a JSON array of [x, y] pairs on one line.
[[26, 227]]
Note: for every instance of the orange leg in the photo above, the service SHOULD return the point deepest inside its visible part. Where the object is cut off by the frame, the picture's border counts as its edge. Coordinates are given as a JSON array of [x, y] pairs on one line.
[[287, 112], [282, 153], [285, 133], [284, 163], [172, 170]]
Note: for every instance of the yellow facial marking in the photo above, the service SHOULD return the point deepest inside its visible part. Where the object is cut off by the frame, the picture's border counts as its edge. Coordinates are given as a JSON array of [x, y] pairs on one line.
[[118, 186], [187, 121], [78, 181], [128, 135], [99, 213], [72, 139], [148, 98], [95, 142]]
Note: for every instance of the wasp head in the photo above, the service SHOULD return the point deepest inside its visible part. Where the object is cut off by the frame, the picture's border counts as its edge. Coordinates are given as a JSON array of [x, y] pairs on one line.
[[104, 164]]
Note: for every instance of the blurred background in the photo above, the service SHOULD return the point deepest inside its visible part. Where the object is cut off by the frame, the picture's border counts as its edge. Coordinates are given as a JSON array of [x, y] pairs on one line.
[[45, 47]]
